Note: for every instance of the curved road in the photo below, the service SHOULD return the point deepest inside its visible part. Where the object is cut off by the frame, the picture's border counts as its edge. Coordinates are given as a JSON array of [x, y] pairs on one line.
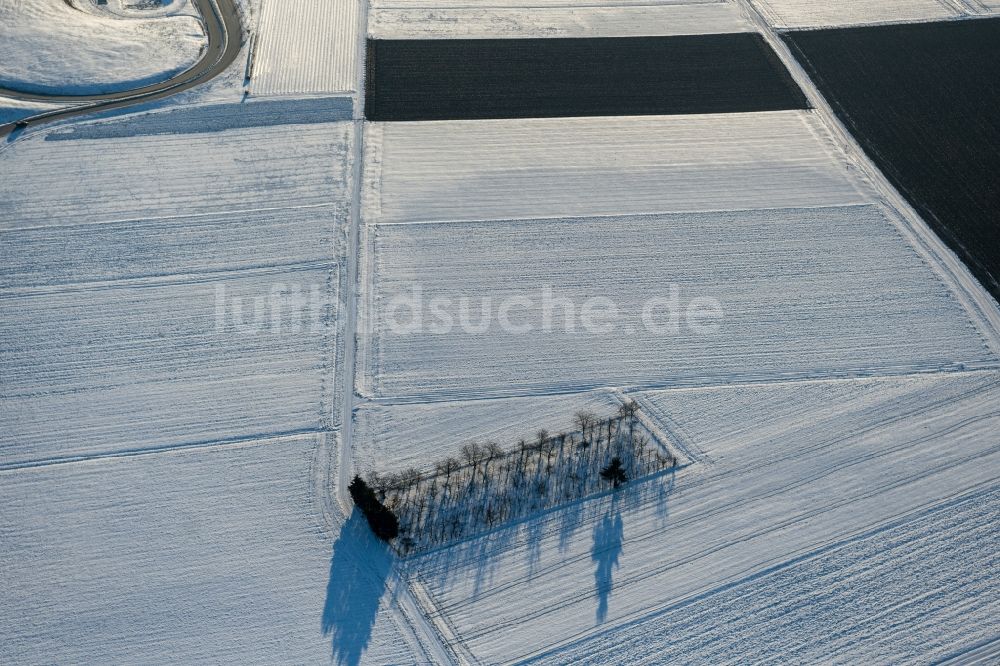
[[224, 31]]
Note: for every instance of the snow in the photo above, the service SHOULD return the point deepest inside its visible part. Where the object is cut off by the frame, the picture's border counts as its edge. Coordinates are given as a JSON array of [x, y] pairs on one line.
[[809, 13], [394, 437], [12, 109], [171, 488], [497, 169], [925, 577], [399, 20], [306, 47], [803, 292], [832, 479], [62, 183], [157, 247], [126, 336], [718, 423], [158, 469], [129, 364], [49, 46], [212, 554]]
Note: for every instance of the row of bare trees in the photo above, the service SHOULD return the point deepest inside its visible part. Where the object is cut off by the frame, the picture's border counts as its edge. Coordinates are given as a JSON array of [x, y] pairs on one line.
[[488, 485]]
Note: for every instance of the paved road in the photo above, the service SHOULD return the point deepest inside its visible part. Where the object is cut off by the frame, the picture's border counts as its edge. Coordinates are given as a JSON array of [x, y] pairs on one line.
[[222, 25]]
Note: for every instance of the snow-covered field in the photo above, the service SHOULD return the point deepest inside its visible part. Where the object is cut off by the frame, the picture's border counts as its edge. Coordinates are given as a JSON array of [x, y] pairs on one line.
[[486, 170], [803, 292], [12, 109], [163, 295], [397, 436], [841, 418], [928, 592], [50, 46], [855, 456], [74, 182], [306, 47], [810, 13], [218, 554], [135, 364], [198, 306], [177, 427], [390, 19]]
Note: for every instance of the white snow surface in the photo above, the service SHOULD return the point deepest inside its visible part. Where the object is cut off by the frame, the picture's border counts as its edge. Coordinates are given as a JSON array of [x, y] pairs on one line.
[[393, 437], [400, 20], [306, 47], [59, 183], [170, 489], [214, 554], [760, 525], [803, 293], [151, 363], [49, 46], [813, 14], [138, 276], [497, 169], [12, 109], [928, 594]]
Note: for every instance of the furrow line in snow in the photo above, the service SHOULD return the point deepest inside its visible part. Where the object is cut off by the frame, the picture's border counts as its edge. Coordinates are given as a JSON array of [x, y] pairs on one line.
[[642, 537], [949, 267], [983, 653], [773, 492], [155, 218], [888, 371], [792, 560], [163, 279], [167, 448], [645, 575]]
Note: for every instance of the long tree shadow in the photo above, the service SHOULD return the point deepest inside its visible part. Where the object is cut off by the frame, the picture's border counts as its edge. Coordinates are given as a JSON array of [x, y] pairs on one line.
[[479, 556], [359, 567], [608, 537]]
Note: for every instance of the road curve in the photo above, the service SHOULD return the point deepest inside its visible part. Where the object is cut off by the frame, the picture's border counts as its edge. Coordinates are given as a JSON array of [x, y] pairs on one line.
[[224, 31]]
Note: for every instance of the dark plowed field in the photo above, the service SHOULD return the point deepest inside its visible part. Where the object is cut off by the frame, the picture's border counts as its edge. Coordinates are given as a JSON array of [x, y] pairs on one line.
[[538, 78], [924, 101]]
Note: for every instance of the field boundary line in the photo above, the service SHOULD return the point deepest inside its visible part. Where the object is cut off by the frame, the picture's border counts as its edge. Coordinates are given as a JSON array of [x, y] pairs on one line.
[[233, 442], [868, 202], [155, 218], [886, 372], [669, 429], [167, 279], [980, 306], [569, 6], [349, 293], [436, 623], [663, 433], [349, 298]]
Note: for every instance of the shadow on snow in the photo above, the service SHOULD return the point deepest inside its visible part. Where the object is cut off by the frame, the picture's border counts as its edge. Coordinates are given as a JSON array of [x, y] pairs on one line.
[[359, 568], [608, 535], [479, 556]]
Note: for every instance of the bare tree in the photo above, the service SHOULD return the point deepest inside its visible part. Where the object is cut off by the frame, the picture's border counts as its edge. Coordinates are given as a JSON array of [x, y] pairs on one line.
[[543, 437], [553, 468], [584, 421], [447, 467], [492, 452], [628, 409]]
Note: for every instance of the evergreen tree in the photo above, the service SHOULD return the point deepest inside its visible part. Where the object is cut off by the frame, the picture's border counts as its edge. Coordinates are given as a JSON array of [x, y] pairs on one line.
[[615, 472]]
